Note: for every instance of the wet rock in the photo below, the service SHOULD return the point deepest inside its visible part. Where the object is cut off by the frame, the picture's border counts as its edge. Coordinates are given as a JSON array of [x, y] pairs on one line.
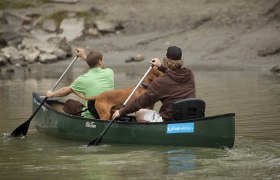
[[16, 19], [3, 43], [41, 34], [29, 42], [96, 12], [59, 53], [3, 61], [12, 55], [2, 19], [48, 49], [14, 28], [30, 54], [72, 28], [273, 48], [12, 35], [7, 52], [17, 59], [275, 70], [45, 48], [105, 26], [92, 32], [49, 25], [47, 58], [61, 42], [33, 15], [29, 38], [273, 13], [137, 58]]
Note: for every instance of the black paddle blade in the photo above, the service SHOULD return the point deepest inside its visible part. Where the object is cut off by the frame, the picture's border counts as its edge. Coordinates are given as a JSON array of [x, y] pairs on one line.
[[95, 142], [22, 129]]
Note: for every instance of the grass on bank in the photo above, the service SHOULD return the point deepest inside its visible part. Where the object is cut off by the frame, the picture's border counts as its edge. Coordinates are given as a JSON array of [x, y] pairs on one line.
[[60, 15]]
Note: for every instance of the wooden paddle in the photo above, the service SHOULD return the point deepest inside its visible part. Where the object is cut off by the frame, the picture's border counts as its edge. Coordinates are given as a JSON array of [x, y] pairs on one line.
[[22, 129], [97, 141]]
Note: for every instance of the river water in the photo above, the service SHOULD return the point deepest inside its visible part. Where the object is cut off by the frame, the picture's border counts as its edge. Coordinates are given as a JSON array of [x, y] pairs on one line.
[[253, 95]]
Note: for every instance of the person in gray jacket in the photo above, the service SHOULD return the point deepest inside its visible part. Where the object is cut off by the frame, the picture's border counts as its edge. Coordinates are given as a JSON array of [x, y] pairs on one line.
[[175, 84]]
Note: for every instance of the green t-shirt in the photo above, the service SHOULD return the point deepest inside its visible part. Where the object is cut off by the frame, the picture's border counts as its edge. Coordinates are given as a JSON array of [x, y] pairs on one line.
[[94, 82]]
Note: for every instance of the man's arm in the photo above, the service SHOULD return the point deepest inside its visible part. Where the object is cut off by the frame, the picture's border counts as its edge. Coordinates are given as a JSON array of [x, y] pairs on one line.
[[60, 93]]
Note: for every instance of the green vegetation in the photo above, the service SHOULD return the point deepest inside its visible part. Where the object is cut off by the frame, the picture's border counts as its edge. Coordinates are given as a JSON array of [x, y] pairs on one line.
[[58, 16], [83, 14], [86, 15], [18, 4]]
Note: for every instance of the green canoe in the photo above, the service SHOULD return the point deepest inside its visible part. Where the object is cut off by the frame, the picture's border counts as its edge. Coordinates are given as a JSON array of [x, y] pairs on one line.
[[215, 131]]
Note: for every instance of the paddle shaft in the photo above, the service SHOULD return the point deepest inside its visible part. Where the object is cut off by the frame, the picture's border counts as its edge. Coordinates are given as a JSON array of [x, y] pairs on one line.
[[58, 81], [98, 140], [23, 128], [131, 94]]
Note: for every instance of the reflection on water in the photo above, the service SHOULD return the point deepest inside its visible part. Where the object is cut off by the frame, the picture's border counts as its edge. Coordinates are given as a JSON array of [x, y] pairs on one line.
[[180, 160], [253, 96], [52, 158]]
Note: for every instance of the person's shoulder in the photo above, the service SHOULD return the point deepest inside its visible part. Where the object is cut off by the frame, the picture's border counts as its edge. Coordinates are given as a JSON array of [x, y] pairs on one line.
[[80, 77], [160, 81], [187, 70], [108, 72], [107, 69]]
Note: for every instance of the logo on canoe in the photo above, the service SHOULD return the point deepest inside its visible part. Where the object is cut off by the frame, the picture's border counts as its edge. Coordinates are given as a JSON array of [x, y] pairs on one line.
[[180, 128], [38, 103], [90, 124]]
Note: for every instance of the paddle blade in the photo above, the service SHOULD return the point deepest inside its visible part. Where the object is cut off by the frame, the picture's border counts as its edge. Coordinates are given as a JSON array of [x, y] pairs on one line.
[[22, 129], [95, 142]]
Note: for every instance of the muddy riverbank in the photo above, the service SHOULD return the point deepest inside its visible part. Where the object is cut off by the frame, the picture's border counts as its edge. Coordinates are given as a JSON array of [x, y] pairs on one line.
[[237, 34]]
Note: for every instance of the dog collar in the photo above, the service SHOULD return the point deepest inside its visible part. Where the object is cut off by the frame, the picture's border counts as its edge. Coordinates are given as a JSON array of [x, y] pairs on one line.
[[145, 86]]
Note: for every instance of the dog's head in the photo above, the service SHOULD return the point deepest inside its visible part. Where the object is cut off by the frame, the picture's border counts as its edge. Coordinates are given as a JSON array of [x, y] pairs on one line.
[[152, 75]]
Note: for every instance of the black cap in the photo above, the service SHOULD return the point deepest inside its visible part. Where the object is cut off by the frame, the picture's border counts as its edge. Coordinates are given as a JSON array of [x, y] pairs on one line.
[[174, 53]]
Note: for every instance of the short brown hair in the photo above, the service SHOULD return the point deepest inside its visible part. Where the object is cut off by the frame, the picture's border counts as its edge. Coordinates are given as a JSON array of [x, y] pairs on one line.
[[93, 58]]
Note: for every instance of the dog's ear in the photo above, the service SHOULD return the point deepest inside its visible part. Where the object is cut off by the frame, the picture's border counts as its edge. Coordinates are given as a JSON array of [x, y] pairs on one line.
[[156, 72]]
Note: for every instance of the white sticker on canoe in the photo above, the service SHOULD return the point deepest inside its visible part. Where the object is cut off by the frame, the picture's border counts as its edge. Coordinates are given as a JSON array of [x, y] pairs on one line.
[[38, 103], [90, 124], [180, 128], [35, 101]]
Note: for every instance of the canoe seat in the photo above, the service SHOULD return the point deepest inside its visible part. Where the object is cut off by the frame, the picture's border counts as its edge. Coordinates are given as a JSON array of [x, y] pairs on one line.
[[190, 108]]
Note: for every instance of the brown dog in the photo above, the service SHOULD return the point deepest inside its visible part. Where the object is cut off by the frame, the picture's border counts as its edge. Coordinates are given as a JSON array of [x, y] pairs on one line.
[[108, 102]]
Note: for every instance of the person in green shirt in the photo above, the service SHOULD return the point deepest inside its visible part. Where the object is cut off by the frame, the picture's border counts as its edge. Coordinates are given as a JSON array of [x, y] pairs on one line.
[[97, 80]]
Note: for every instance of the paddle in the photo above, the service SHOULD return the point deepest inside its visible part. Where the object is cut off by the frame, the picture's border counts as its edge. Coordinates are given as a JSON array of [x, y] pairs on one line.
[[97, 141], [22, 129]]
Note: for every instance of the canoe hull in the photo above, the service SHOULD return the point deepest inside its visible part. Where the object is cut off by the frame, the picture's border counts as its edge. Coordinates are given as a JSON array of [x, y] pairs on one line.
[[216, 131]]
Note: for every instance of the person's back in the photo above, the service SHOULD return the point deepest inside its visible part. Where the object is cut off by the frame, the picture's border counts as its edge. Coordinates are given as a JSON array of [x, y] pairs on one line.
[[94, 82], [173, 86], [177, 83]]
